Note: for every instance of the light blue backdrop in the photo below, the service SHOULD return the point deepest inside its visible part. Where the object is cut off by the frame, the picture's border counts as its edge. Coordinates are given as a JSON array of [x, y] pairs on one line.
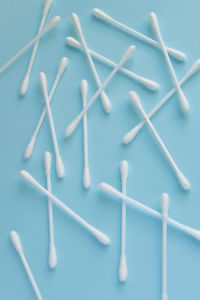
[[87, 270]]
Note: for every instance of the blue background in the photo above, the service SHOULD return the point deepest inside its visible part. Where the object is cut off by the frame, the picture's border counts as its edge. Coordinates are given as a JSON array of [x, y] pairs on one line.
[[86, 269]]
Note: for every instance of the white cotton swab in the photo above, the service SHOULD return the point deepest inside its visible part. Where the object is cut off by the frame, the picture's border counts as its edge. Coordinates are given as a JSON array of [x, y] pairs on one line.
[[103, 16], [25, 82], [50, 25], [123, 270], [86, 172], [29, 148], [59, 164], [52, 249], [70, 129], [104, 98], [14, 237], [181, 178], [150, 84], [135, 130], [182, 99], [111, 190], [164, 205], [98, 234]]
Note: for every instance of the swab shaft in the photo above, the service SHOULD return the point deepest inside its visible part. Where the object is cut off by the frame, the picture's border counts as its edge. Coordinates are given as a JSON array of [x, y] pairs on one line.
[[35, 39], [51, 230], [123, 226], [32, 141], [195, 233], [164, 259], [131, 133], [30, 276], [113, 64], [141, 36]]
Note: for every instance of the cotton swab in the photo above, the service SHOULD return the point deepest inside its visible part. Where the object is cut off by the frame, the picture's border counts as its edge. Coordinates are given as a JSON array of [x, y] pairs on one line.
[[111, 190], [98, 234], [123, 270], [150, 84], [52, 249], [50, 25], [59, 164], [165, 205], [14, 237], [86, 172], [104, 98], [181, 178], [25, 82], [61, 68], [182, 99], [134, 131], [103, 16], [70, 129]]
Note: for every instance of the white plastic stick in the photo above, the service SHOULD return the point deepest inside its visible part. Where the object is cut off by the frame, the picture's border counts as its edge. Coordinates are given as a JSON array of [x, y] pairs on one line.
[[25, 82], [164, 205], [29, 148], [86, 172], [182, 99], [70, 129], [150, 84], [104, 98], [98, 234], [111, 190], [14, 237], [50, 25], [123, 270], [102, 15], [181, 178], [59, 164], [134, 131], [52, 249]]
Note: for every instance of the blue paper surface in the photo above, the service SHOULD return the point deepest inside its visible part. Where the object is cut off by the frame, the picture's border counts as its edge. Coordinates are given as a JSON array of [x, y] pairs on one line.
[[86, 269]]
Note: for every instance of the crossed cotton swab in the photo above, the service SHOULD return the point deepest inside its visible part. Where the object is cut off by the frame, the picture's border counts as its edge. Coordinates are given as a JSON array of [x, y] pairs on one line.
[[181, 178], [29, 148], [164, 205], [52, 249], [59, 164], [104, 98], [123, 270], [50, 25], [70, 129], [134, 131], [25, 82], [101, 237], [150, 84], [182, 99], [103, 16], [86, 172], [14, 237], [111, 190]]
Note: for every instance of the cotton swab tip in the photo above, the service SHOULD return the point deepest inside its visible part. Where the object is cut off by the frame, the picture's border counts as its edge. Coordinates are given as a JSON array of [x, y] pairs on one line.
[[154, 21], [53, 22], [131, 134], [76, 22], [135, 99], [24, 86], [14, 237], [47, 5], [47, 162], [196, 66], [123, 270], [124, 170], [60, 167], [43, 82], [152, 85], [52, 257], [106, 102], [29, 149], [101, 15], [184, 102], [25, 175], [62, 65], [86, 178], [104, 239], [84, 88], [73, 42], [107, 188], [183, 181], [127, 54], [165, 203]]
